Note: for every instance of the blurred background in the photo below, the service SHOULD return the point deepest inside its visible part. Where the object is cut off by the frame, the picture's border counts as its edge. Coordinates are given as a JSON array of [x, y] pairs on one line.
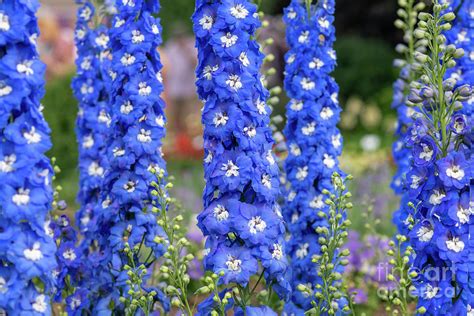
[[365, 41]]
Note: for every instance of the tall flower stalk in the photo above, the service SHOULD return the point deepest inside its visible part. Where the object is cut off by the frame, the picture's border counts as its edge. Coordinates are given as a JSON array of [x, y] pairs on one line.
[[313, 139], [440, 173], [127, 228], [407, 21], [27, 251], [241, 218], [94, 119]]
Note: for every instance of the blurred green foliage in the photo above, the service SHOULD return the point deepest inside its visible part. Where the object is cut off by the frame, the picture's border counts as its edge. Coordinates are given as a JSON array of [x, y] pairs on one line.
[[60, 110], [364, 66]]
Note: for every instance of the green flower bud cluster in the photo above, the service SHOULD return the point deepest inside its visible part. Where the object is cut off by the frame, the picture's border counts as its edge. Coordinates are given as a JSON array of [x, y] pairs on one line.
[[434, 96], [407, 21], [401, 276], [328, 293], [137, 298], [173, 270]]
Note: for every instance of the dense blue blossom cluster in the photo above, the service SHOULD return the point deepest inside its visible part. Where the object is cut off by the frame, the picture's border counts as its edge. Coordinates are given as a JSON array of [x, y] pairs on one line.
[[241, 218], [439, 182], [313, 139], [135, 115], [27, 250], [94, 118]]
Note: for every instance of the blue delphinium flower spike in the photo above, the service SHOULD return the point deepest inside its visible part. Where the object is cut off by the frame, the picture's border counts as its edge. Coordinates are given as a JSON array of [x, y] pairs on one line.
[[124, 216], [241, 218], [27, 249], [313, 139]]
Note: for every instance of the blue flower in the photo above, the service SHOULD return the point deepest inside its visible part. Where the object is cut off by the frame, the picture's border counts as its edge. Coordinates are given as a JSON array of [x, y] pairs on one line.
[[237, 264], [454, 170]]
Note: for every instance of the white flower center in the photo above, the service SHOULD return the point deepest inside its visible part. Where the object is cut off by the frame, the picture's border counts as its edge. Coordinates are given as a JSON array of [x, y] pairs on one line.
[[296, 105], [261, 107], [33, 254], [455, 172], [316, 63], [415, 182], [326, 113], [75, 303], [256, 225], [25, 67], [464, 214], [127, 59], [69, 255], [102, 40], [336, 140], [144, 136], [234, 82], [206, 22], [266, 181], [291, 196], [239, 12], [427, 153], [309, 129], [302, 173], [270, 158], [118, 152], [277, 252], [208, 70], [22, 197], [95, 170], [233, 264], [455, 244], [303, 38], [323, 22], [87, 142], [317, 202], [295, 150], [307, 84], [86, 63], [40, 304], [86, 13], [229, 40], [4, 22], [130, 186], [3, 285], [302, 251], [137, 37], [250, 131], [437, 197], [220, 119], [220, 213], [294, 217], [144, 89], [244, 59], [231, 170], [6, 165], [87, 89], [329, 161], [5, 89], [126, 108], [104, 117], [425, 233], [32, 137]]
